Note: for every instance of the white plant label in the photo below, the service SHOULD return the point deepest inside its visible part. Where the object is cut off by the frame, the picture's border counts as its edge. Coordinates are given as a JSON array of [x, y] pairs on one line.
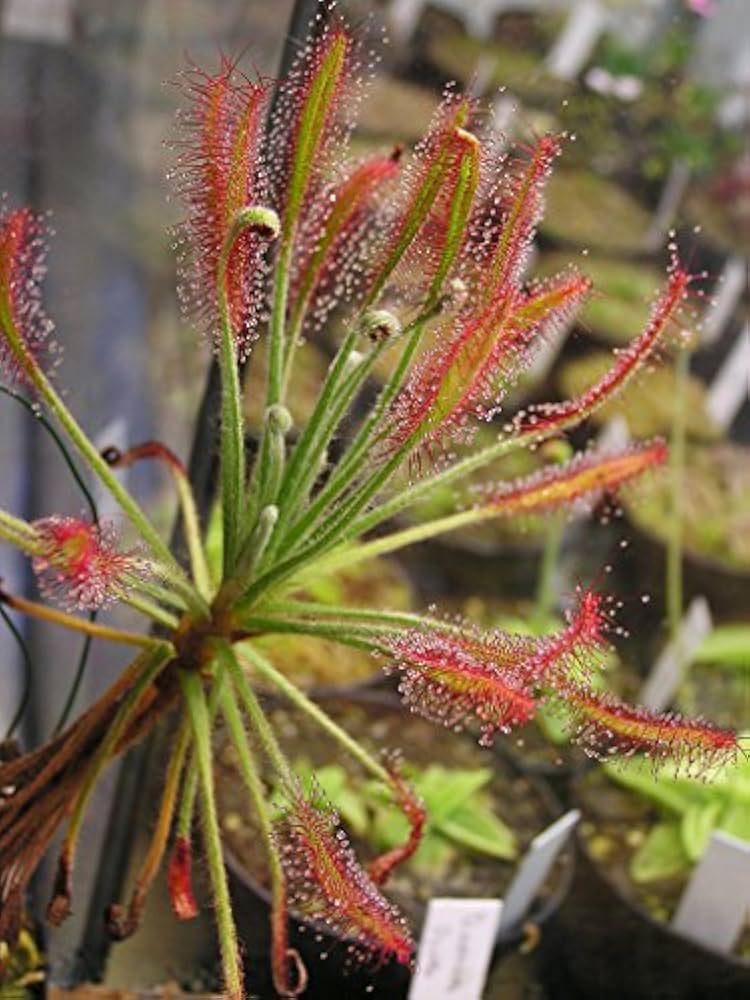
[[577, 40], [666, 673], [38, 20], [534, 868], [729, 289], [455, 949], [669, 202], [731, 385], [715, 905], [403, 18]]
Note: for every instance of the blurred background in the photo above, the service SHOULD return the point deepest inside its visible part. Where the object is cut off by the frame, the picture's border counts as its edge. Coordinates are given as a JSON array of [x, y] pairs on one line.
[[656, 96]]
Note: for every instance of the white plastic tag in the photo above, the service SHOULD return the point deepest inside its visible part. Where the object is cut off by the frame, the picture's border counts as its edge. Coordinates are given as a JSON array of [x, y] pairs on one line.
[[731, 385], [38, 20], [672, 193], [577, 40], [715, 905], [403, 18], [666, 673], [454, 954], [535, 867]]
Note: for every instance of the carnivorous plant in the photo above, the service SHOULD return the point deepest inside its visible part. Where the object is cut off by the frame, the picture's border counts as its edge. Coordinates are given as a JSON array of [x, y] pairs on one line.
[[415, 257]]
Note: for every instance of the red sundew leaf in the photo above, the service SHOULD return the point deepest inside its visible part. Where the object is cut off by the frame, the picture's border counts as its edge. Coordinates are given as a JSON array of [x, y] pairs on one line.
[[452, 378], [502, 237], [444, 231], [467, 373], [456, 679], [338, 237], [179, 880], [550, 417], [312, 117], [218, 173], [607, 727], [552, 304], [287, 968], [429, 219], [380, 868], [79, 564], [22, 319], [573, 651], [581, 482], [327, 884]]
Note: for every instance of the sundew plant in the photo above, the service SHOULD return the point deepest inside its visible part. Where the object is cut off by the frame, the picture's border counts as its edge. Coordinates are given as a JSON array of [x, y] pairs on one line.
[[418, 257]]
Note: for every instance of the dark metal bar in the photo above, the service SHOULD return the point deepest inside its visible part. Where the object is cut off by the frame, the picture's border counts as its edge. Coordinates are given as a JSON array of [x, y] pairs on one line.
[[128, 796]]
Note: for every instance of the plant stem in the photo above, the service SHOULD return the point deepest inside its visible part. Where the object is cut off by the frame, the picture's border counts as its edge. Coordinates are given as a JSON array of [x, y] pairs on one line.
[[152, 861], [232, 440], [145, 669], [300, 460], [356, 553], [27, 675], [151, 610], [413, 494], [275, 385], [195, 702], [254, 785], [55, 617], [364, 638], [191, 526], [190, 784], [361, 628], [302, 702], [395, 619], [350, 463], [19, 533], [674, 588], [256, 547], [546, 591], [277, 327], [155, 591], [258, 721]]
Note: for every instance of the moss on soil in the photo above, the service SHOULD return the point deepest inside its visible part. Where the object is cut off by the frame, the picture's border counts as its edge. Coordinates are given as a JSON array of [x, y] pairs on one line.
[[589, 211], [521, 71]]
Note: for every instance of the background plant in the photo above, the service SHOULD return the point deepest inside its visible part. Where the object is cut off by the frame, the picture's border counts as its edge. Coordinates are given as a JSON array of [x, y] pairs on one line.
[[421, 258]]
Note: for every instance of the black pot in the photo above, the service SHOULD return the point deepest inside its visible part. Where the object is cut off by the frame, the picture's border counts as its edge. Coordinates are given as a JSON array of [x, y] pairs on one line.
[[557, 775], [606, 945], [445, 566], [332, 972]]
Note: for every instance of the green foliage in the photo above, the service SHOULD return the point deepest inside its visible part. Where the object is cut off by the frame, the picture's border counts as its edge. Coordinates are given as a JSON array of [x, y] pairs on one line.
[[726, 646], [691, 809], [461, 818], [715, 504]]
